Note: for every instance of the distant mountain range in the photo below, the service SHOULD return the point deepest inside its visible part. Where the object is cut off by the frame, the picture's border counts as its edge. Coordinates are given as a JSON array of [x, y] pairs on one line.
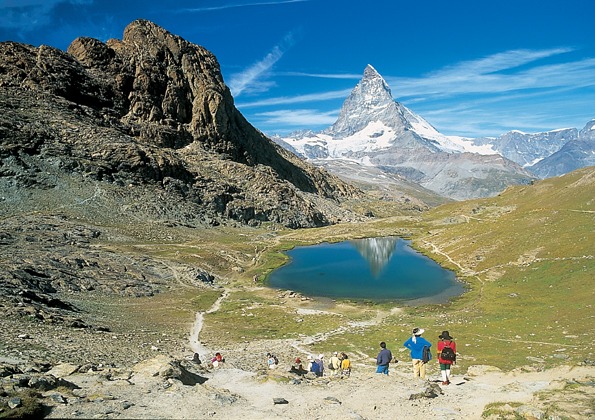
[[375, 131], [547, 154]]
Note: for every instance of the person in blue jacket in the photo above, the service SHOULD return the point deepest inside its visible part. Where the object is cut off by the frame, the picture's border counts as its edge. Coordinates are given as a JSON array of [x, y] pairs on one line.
[[383, 359], [416, 344]]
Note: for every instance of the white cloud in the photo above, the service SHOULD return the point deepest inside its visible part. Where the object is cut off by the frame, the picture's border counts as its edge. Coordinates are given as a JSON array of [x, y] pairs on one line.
[[254, 78], [496, 74], [321, 75], [28, 15], [250, 79], [232, 6], [297, 117], [286, 100]]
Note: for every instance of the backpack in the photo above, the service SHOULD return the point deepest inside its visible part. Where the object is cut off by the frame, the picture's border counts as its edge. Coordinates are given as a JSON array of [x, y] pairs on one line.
[[315, 367], [426, 355], [448, 354]]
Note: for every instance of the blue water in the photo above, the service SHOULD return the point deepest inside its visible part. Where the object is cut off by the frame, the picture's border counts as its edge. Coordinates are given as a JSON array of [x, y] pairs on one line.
[[376, 269]]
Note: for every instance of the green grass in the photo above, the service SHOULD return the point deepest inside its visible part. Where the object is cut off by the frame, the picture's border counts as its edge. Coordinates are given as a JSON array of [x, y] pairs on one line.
[[502, 410], [526, 257]]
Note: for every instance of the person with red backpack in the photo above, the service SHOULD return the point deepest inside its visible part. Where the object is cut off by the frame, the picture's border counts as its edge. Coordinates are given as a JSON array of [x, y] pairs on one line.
[[447, 355]]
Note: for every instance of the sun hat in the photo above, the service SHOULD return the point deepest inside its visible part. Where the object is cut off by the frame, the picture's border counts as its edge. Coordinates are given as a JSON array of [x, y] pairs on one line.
[[418, 331], [320, 356], [445, 335]]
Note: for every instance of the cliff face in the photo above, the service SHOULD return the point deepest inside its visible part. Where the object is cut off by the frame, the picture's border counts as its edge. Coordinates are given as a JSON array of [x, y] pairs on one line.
[[150, 113]]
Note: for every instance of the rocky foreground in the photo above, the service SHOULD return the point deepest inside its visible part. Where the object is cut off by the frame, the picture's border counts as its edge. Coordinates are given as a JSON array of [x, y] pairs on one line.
[[58, 371], [168, 387]]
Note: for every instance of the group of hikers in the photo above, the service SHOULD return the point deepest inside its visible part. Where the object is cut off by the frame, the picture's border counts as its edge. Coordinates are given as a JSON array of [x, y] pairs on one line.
[[339, 364], [421, 354], [419, 348]]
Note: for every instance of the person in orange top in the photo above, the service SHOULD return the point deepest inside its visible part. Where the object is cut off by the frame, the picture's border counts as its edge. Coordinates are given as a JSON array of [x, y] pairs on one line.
[[446, 358]]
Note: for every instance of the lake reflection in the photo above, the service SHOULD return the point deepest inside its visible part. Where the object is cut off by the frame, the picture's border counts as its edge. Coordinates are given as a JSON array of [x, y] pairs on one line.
[[377, 269]]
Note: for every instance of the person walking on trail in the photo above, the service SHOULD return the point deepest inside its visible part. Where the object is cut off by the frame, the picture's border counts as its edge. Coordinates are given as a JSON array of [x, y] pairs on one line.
[[383, 359], [334, 364], [447, 355], [416, 344]]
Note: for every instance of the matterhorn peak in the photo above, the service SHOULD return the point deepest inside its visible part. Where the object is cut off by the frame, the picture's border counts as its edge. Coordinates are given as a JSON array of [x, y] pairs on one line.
[[368, 100], [372, 89]]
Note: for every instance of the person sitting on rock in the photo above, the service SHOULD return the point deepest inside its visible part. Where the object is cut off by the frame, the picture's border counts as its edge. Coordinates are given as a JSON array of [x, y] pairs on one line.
[[217, 360], [297, 367], [272, 361]]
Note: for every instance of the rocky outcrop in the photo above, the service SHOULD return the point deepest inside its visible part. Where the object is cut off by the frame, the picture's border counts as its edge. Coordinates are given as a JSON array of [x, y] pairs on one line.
[[149, 111]]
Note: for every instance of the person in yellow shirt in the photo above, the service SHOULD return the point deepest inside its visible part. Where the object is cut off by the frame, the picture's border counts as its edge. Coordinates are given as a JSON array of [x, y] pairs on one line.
[[345, 365]]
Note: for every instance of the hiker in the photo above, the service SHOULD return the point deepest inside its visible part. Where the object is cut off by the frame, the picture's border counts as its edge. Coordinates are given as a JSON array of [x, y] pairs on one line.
[[345, 365], [309, 365], [447, 355], [316, 365], [320, 362], [217, 360], [416, 344], [196, 359], [383, 359], [272, 361], [297, 367], [334, 364]]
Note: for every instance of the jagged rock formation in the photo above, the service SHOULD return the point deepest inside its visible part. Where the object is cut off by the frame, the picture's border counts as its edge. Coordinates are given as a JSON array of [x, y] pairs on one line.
[[150, 113], [132, 138]]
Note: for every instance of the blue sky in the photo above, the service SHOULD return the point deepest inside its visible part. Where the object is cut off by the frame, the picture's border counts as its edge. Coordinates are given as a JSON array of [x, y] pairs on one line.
[[469, 67]]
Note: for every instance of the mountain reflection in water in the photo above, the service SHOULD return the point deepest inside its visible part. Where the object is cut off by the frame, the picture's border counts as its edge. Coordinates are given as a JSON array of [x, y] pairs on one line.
[[377, 269], [377, 251]]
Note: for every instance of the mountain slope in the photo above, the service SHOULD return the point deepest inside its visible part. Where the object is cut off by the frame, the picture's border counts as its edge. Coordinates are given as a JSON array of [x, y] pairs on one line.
[[152, 114], [373, 129]]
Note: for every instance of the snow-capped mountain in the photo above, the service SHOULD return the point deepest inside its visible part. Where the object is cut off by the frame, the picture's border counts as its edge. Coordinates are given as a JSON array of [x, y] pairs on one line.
[[546, 154], [370, 120], [574, 154], [374, 130], [528, 149]]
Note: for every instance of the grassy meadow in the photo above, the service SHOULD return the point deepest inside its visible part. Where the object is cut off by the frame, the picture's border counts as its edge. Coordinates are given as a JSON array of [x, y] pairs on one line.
[[526, 257]]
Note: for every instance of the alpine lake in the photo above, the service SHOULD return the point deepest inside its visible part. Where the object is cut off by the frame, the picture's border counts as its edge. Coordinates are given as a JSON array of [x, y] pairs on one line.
[[373, 269]]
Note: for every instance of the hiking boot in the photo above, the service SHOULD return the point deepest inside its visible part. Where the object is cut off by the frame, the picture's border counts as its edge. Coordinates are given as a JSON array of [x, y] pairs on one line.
[[446, 383]]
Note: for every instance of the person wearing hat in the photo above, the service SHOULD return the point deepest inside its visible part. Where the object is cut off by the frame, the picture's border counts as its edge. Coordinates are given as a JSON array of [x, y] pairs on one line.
[[298, 367], [334, 364], [320, 362], [416, 344], [446, 358], [309, 365]]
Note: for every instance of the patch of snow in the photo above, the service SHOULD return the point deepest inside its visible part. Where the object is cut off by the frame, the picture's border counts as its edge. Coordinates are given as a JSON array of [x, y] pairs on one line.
[[533, 162]]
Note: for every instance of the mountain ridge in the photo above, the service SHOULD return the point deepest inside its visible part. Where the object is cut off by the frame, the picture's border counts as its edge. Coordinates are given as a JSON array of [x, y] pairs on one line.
[[150, 111]]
